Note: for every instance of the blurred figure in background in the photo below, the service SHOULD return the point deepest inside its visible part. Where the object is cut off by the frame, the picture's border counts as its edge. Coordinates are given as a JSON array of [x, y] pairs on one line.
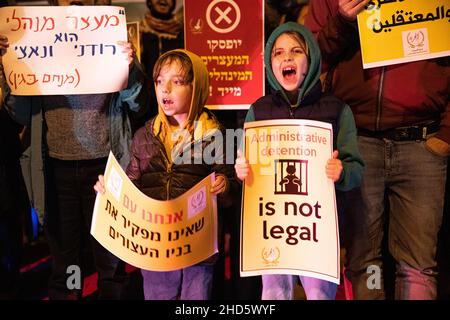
[[10, 206], [278, 12], [161, 31]]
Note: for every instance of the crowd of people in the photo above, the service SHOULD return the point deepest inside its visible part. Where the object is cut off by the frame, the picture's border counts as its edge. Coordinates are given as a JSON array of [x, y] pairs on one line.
[[391, 134]]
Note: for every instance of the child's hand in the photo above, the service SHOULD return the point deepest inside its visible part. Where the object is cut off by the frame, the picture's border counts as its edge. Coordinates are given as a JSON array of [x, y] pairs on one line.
[[334, 167], [219, 184], [242, 167], [128, 49], [100, 185]]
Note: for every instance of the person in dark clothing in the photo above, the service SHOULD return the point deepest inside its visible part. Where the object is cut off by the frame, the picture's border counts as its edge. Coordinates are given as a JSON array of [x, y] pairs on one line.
[[161, 30], [10, 206], [71, 137], [402, 113], [277, 12]]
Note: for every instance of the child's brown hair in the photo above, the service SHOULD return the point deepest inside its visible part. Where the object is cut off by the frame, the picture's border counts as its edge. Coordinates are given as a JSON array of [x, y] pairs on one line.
[[182, 58]]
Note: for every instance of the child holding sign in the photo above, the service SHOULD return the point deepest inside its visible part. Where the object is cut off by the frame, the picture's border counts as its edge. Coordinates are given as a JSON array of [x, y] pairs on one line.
[[160, 168], [292, 58]]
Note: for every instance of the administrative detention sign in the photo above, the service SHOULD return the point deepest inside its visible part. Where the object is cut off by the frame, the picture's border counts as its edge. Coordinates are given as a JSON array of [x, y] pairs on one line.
[[64, 50], [398, 31], [229, 37], [289, 217], [152, 234]]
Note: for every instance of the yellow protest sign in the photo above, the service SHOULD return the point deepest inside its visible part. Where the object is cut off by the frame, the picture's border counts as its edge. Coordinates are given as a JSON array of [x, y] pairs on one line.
[[289, 217], [398, 31], [151, 234]]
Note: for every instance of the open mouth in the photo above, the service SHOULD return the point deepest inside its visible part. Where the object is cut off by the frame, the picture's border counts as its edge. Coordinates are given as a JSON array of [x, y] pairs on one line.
[[166, 101], [289, 72]]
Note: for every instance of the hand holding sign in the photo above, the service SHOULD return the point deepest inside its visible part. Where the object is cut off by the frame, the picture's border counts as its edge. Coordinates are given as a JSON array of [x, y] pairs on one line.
[[242, 167], [334, 167], [349, 9], [100, 185], [219, 185], [128, 50]]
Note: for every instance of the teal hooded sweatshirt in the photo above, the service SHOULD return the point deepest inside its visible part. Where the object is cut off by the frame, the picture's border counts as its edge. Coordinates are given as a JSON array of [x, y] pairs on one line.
[[346, 141]]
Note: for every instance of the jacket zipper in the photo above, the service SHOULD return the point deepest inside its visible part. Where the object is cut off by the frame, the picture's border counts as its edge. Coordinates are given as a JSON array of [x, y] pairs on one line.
[[168, 166], [291, 112], [379, 96], [169, 170]]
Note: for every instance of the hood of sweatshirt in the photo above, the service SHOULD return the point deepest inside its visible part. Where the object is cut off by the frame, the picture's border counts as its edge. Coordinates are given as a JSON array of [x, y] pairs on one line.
[[314, 67]]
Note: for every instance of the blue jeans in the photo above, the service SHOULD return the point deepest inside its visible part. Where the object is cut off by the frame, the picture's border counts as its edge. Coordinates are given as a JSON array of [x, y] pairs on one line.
[[281, 287], [191, 283], [403, 185]]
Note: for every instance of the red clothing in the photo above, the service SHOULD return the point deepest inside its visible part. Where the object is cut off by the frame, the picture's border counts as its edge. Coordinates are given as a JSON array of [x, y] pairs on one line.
[[385, 97]]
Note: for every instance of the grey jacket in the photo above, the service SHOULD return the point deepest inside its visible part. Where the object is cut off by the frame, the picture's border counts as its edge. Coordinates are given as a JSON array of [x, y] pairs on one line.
[[27, 110]]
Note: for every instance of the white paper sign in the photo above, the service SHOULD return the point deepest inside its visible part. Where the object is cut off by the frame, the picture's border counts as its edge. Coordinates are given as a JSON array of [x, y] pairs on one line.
[[64, 50]]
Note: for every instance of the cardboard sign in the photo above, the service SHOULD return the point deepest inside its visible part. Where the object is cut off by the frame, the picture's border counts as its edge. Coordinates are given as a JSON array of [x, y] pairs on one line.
[[289, 219], [152, 234]]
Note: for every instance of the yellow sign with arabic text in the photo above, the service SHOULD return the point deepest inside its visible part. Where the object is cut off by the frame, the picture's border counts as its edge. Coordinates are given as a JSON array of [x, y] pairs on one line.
[[289, 216], [398, 31], [152, 234]]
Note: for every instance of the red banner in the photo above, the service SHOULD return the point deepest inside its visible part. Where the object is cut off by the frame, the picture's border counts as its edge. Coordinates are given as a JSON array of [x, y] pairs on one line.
[[229, 37]]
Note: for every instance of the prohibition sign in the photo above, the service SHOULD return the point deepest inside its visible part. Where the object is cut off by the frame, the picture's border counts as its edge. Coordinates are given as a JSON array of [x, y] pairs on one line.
[[223, 15]]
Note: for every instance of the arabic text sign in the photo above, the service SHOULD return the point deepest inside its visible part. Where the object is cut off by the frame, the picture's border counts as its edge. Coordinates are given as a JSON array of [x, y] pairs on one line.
[[219, 32], [398, 31], [289, 219], [64, 50], [151, 234]]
